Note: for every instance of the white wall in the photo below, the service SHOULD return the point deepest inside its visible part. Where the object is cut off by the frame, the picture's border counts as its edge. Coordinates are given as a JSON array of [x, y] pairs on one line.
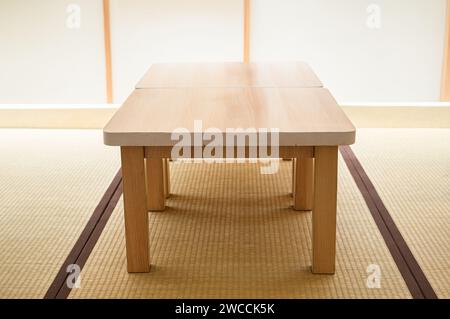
[[42, 61], [402, 61], [148, 31]]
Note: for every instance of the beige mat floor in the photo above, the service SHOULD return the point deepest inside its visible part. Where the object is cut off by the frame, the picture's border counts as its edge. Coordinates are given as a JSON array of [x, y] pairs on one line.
[[410, 168], [50, 183], [251, 246], [229, 233], [64, 118]]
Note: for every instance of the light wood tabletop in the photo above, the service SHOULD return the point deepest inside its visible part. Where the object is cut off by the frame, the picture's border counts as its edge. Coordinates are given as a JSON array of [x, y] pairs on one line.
[[232, 74], [304, 117]]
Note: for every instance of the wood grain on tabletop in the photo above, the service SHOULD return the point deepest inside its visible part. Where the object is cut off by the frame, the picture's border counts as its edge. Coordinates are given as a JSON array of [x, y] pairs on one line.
[[232, 74], [304, 117]]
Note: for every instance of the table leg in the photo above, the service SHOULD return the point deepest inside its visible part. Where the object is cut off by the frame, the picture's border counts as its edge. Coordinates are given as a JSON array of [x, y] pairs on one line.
[[156, 199], [324, 210], [294, 174], [136, 215], [166, 164], [304, 184]]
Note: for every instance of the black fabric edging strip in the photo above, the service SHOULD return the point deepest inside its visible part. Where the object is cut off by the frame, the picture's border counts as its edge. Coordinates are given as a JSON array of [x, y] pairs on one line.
[[415, 279], [87, 240]]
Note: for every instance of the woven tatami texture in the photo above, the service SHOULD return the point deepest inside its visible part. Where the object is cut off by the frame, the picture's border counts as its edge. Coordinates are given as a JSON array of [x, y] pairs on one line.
[[50, 183], [229, 233], [410, 168]]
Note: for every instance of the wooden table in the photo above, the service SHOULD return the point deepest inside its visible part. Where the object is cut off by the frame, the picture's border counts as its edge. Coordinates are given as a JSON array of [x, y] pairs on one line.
[[288, 97]]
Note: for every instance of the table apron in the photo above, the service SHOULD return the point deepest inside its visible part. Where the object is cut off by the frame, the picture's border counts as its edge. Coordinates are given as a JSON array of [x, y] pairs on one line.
[[284, 152]]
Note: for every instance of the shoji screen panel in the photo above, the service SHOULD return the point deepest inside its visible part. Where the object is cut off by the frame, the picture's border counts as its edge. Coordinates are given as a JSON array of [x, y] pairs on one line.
[[148, 31], [398, 59], [51, 51]]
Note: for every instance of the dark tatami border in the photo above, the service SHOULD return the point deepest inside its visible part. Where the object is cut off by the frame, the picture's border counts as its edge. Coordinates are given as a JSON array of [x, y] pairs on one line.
[[88, 238], [415, 279]]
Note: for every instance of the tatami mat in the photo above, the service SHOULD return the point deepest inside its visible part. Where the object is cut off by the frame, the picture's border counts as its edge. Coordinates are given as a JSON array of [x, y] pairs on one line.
[[50, 183], [410, 169], [229, 233], [368, 116]]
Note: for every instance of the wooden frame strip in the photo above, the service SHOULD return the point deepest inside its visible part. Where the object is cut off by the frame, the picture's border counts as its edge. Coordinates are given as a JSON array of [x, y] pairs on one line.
[[246, 31], [445, 89], [108, 59]]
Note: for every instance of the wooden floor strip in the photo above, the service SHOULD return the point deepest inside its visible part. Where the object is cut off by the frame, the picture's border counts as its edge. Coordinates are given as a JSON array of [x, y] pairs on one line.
[[86, 242], [408, 266]]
